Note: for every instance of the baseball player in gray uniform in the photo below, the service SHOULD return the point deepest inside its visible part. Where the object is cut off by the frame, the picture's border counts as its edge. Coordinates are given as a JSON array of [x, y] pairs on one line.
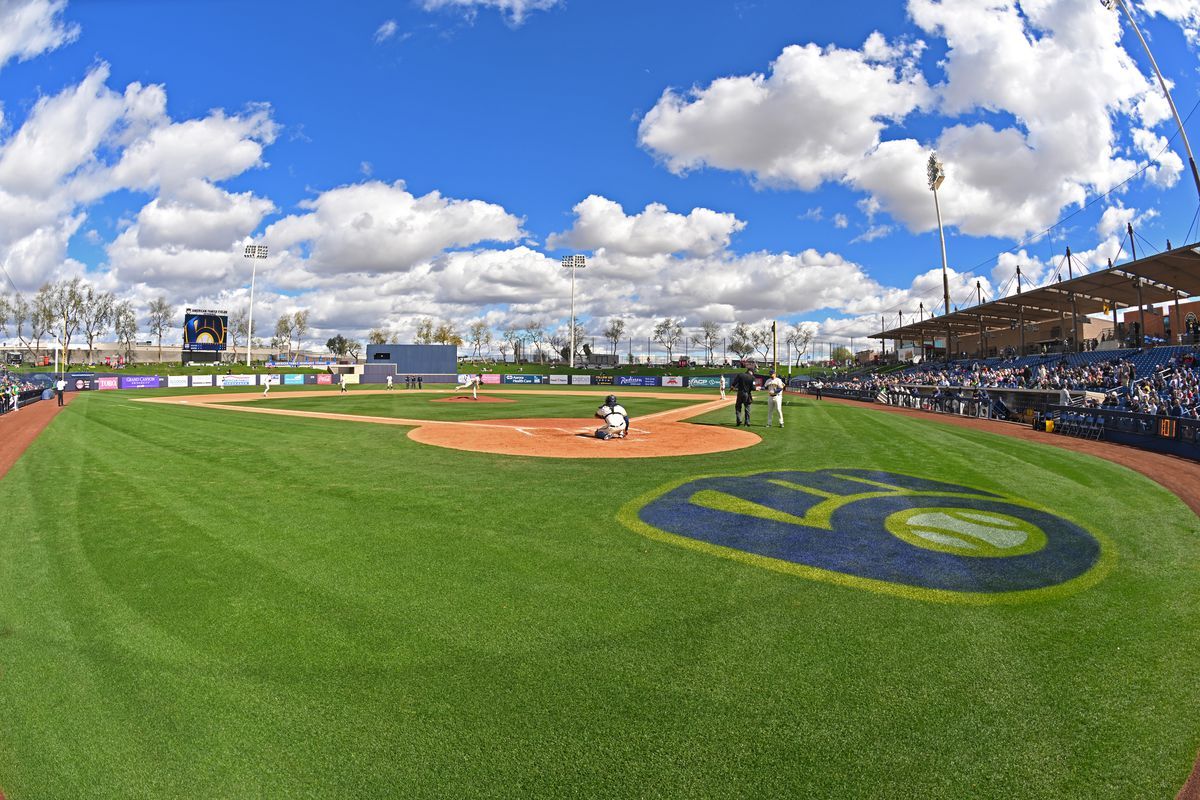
[[616, 419]]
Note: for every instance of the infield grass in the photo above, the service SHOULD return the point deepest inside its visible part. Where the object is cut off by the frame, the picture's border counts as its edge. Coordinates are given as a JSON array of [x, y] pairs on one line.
[[204, 603]]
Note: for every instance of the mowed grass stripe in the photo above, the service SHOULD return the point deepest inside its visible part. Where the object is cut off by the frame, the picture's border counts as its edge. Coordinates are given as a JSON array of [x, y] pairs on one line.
[[243, 605]]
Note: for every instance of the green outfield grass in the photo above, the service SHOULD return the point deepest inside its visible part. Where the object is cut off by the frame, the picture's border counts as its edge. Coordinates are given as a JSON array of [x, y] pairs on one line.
[[200, 603]]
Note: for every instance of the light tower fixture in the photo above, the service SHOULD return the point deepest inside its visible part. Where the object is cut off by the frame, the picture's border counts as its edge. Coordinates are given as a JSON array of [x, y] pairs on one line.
[[937, 175], [573, 263], [1112, 5], [254, 252]]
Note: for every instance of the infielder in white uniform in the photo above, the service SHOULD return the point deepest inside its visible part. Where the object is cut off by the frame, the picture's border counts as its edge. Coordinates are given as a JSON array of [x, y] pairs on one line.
[[774, 387], [472, 383], [389, 382], [722, 387], [616, 419]]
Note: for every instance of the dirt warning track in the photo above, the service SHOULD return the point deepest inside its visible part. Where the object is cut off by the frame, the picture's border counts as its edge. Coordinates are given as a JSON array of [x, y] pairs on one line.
[[659, 435]]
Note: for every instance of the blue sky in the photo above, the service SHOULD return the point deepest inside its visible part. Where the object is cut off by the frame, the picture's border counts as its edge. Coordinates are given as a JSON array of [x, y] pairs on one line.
[[797, 130]]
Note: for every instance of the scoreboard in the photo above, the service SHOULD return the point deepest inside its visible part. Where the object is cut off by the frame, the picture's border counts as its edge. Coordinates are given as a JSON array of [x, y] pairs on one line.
[[204, 330]]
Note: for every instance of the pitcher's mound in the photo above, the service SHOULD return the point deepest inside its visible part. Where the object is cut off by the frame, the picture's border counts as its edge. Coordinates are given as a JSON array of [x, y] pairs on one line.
[[483, 398], [571, 438]]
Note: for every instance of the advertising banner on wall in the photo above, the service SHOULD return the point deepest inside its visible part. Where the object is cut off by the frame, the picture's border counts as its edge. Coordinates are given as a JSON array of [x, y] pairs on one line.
[[602, 380], [293, 380], [272, 380], [324, 380], [637, 380], [81, 381], [202, 380], [581, 380], [177, 381], [672, 380], [522, 379], [237, 380], [349, 379], [140, 381], [491, 379], [705, 382], [108, 383], [560, 380]]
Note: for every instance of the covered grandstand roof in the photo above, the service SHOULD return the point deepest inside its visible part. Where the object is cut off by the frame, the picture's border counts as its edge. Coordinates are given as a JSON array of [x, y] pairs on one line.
[[1173, 275]]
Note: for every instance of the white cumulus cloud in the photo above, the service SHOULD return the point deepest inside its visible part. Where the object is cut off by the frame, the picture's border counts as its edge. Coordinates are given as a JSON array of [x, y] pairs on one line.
[[376, 227], [602, 223], [816, 114]]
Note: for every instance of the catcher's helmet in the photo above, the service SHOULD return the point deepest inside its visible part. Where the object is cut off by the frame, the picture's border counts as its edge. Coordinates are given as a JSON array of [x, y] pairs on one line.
[[611, 400]]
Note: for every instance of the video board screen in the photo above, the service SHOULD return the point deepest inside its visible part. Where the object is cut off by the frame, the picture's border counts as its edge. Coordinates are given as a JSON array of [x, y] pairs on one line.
[[204, 329]]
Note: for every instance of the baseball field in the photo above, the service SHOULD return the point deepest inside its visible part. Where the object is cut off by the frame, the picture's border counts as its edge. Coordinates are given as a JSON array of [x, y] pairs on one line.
[[375, 595]]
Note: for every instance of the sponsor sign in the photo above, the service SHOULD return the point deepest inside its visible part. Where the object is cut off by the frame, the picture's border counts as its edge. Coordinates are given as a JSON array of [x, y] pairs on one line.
[[672, 380], [463, 378], [602, 380], [491, 378], [108, 383], [202, 380], [177, 381], [581, 380], [81, 381], [560, 380], [271, 380], [140, 381], [238, 380], [350, 379], [293, 380], [705, 382], [522, 379], [325, 379], [637, 380]]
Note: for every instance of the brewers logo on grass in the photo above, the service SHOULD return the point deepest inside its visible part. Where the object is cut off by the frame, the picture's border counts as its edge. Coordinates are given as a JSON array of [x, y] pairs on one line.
[[880, 531]]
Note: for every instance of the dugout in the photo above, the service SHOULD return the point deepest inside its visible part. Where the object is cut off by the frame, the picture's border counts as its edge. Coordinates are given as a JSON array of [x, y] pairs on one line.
[[434, 363]]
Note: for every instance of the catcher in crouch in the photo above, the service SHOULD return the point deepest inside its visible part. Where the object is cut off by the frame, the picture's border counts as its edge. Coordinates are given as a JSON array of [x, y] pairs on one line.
[[616, 419]]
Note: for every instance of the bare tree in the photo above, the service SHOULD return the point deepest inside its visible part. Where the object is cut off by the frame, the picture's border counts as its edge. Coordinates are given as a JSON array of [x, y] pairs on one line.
[[668, 332], [710, 333], [503, 346], [353, 348], [66, 306], [41, 316], [239, 329], [740, 342], [761, 339], [282, 340], [614, 332], [515, 336], [159, 321], [20, 313], [126, 327], [96, 317], [424, 331], [799, 337], [479, 336], [300, 327], [446, 334], [535, 332], [377, 336], [5, 311]]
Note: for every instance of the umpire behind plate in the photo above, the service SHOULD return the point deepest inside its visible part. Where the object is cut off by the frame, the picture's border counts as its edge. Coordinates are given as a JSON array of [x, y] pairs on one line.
[[616, 419]]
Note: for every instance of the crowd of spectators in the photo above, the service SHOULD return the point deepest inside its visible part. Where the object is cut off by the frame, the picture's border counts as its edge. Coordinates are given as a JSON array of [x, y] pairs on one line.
[[1171, 390], [12, 385]]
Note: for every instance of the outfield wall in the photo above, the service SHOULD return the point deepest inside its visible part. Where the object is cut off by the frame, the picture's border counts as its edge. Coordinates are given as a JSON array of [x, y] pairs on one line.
[[375, 374]]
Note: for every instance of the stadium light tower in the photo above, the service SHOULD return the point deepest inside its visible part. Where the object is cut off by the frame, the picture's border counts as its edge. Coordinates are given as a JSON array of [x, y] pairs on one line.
[[1111, 5], [573, 263], [936, 176], [254, 252]]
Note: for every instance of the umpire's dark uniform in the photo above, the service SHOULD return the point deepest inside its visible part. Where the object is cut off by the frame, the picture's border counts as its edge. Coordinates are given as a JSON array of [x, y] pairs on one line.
[[743, 384]]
